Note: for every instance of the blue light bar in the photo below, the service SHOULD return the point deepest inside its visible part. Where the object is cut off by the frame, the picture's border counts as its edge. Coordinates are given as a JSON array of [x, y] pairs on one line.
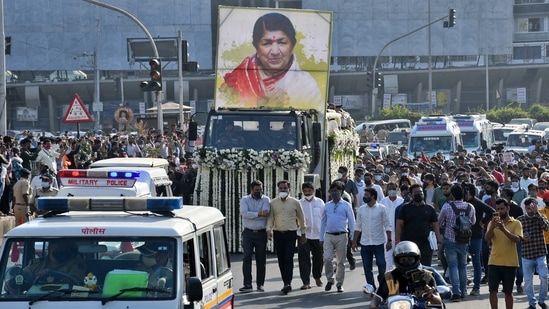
[[125, 175], [109, 203]]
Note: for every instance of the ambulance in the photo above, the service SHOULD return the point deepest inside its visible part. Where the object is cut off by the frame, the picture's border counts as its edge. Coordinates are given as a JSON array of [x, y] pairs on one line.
[[477, 132], [433, 134], [117, 253], [521, 139], [115, 181]]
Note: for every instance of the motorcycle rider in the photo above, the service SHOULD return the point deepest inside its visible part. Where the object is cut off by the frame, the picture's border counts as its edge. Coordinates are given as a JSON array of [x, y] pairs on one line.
[[408, 277]]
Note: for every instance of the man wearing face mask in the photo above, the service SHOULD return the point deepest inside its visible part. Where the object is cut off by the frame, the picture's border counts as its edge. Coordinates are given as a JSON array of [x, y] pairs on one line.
[[391, 202], [46, 188], [254, 209], [359, 182], [378, 180], [285, 218], [312, 211], [337, 215], [62, 257], [404, 172], [373, 220], [415, 221], [371, 185], [47, 156], [534, 252], [519, 194]]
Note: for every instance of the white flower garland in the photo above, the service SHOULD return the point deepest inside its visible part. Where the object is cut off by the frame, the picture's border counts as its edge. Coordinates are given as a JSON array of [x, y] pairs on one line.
[[226, 174]]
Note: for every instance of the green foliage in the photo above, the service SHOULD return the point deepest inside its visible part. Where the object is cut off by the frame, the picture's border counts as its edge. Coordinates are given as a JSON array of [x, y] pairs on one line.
[[398, 112], [504, 114], [539, 112]]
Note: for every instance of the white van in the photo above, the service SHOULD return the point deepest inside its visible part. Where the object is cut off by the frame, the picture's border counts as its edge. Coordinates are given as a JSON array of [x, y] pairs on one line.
[[477, 132], [435, 134], [112, 241], [520, 140], [115, 181], [502, 131], [389, 124]]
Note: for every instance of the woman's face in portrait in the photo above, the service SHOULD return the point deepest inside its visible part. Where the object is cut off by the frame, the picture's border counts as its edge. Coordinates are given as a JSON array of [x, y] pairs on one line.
[[275, 51]]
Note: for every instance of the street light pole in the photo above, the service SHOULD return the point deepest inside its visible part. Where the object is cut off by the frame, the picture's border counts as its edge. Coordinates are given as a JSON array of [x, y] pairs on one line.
[[153, 45], [389, 43]]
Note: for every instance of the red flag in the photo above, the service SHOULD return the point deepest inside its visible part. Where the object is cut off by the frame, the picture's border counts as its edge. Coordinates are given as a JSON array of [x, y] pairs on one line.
[[425, 158]]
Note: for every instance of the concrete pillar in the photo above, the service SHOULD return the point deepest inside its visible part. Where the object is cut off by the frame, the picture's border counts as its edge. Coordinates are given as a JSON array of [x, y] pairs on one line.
[[54, 124], [419, 94]]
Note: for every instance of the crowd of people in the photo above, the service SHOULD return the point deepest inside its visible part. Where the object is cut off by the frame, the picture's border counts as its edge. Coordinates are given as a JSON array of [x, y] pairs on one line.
[[380, 203], [30, 164]]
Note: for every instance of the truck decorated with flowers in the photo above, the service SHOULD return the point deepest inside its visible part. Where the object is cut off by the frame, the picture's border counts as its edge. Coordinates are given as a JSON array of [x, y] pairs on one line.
[[260, 128]]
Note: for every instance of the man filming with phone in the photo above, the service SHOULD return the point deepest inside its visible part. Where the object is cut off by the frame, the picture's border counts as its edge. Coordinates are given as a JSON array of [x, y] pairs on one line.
[[504, 232]]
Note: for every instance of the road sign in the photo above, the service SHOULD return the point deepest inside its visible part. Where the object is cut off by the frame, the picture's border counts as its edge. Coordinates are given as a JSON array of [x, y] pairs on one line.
[[77, 112]]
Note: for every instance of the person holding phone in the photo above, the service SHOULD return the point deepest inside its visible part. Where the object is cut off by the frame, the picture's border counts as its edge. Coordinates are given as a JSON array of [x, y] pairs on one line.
[[504, 232]]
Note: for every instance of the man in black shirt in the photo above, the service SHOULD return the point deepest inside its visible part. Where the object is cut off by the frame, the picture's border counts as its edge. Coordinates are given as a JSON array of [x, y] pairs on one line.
[[414, 222], [483, 213]]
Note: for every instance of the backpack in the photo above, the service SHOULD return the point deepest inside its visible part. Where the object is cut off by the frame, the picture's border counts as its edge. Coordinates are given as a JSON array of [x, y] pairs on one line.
[[463, 225]]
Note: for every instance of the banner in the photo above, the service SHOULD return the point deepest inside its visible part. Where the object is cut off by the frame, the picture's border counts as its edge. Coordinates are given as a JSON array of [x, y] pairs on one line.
[[273, 59], [27, 114]]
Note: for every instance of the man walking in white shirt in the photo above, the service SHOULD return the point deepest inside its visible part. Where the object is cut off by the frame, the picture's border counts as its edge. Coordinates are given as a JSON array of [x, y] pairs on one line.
[[312, 211], [372, 219], [391, 202]]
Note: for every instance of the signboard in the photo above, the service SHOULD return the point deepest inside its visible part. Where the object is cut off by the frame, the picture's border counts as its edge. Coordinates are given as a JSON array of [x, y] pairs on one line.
[[27, 114], [352, 101], [521, 95], [248, 77], [431, 127], [386, 100], [77, 112], [98, 182], [508, 157]]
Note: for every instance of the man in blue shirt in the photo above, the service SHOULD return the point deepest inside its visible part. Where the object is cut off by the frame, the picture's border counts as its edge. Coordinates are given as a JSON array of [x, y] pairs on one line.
[[254, 209], [336, 216]]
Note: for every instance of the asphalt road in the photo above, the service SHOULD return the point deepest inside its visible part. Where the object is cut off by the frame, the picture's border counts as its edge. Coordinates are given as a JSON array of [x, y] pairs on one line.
[[316, 297]]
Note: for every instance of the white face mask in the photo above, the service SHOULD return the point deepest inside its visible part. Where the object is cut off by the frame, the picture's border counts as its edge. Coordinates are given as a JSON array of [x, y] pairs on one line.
[[283, 195], [195, 166], [514, 185], [392, 193], [339, 175], [45, 184], [309, 197], [404, 174]]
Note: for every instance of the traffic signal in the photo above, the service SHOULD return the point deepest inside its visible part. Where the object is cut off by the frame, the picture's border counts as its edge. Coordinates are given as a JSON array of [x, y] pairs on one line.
[[8, 45], [451, 18], [184, 51], [378, 80], [369, 80], [155, 83]]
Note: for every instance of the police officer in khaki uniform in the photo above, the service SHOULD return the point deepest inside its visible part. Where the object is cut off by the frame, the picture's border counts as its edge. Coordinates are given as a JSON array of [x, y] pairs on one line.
[[22, 194], [46, 188]]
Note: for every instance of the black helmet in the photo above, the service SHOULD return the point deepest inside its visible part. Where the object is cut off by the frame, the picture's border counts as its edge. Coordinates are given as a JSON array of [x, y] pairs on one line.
[[408, 249]]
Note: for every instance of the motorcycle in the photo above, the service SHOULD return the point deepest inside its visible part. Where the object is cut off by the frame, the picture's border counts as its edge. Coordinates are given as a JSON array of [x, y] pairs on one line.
[[409, 300]]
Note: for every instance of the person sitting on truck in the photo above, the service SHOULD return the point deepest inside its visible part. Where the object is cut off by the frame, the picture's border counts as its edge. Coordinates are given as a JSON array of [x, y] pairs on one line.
[[61, 264], [287, 137], [229, 138]]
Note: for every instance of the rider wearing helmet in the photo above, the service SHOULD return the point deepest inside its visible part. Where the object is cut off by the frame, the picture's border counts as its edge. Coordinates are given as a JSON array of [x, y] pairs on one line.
[[408, 276]]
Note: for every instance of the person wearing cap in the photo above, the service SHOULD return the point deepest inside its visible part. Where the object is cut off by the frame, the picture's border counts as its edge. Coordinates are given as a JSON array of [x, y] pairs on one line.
[[36, 181], [46, 188], [154, 256], [22, 193], [62, 258]]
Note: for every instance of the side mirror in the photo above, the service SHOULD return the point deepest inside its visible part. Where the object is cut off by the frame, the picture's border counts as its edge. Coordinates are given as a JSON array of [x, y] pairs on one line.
[[194, 289], [193, 131], [444, 291], [317, 136]]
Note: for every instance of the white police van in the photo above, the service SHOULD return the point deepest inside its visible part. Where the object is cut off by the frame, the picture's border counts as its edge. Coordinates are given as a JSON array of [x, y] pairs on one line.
[[117, 253], [119, 181]]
